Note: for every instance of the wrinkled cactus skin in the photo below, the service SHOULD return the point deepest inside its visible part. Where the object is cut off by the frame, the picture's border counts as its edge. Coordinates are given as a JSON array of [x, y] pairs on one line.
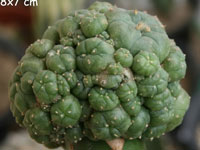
[[99, 74]]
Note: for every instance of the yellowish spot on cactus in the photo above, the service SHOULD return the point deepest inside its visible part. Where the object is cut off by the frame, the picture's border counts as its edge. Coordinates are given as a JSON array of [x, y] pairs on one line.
[[135, 11]]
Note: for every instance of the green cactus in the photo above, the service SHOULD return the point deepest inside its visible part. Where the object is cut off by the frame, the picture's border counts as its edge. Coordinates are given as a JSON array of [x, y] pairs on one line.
[[98, 76]]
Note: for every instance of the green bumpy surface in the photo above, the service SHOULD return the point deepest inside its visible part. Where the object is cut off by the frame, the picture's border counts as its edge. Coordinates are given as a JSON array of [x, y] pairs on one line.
[[85, 144], [100, 73]]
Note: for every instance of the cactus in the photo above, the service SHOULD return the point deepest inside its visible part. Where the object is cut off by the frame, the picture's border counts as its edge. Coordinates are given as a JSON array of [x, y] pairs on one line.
[[101, 77]]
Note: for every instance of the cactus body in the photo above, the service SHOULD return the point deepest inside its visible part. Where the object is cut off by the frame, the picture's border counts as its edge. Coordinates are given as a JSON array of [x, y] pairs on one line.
[[97, 75]]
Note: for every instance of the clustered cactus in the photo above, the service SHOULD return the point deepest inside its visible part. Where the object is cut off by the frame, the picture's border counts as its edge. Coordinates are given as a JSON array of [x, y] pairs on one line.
[[100, 75]]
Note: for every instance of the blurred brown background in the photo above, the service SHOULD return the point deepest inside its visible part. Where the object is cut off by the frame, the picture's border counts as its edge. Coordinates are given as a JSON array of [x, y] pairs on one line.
[[20, 26]]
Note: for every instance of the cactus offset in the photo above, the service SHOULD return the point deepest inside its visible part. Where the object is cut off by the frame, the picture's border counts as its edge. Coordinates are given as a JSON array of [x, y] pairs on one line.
[[100, 76]]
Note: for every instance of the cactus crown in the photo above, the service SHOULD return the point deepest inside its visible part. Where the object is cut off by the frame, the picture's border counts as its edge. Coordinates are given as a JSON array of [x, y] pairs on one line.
[[100, 73]]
